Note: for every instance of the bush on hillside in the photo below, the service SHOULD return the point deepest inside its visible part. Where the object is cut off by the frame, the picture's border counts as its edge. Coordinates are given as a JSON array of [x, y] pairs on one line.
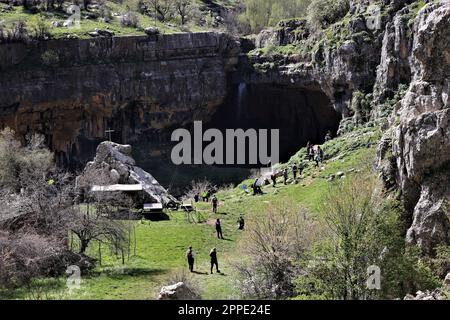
[[322, 13], [130, 19], [362, 229], [274, 244]]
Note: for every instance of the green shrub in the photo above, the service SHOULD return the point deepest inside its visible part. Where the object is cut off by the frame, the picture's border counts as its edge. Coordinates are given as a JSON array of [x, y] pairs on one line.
[[40, 27], [362, 229], [322, 13]]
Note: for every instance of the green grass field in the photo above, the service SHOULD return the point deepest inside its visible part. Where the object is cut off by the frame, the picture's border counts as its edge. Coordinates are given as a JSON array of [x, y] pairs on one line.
[[18, 13], [161, 246]]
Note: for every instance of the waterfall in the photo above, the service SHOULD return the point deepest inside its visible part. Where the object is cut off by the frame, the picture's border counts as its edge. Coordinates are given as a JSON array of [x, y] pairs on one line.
[[242, 93]]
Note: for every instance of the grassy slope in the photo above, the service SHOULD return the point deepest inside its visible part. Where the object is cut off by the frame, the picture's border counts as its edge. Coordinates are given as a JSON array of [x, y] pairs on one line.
[[161, 245], [88, 25]]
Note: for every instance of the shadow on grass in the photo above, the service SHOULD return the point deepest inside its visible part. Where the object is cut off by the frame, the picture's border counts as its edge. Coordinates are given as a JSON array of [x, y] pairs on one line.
[[155, 217], [119, 272]]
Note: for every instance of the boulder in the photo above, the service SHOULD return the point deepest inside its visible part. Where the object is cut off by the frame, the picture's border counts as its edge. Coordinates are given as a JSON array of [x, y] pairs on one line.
[[447, 282], [427, 295], [151, 31], [178, 291], [113, 164]]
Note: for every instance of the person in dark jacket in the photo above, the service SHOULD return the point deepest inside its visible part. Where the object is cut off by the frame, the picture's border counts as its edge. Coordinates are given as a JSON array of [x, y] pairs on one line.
[[214, 262], [215, 203], [295, 171], [285, 176], [273, 177], [241, 223], [219, 229], [190, 259]]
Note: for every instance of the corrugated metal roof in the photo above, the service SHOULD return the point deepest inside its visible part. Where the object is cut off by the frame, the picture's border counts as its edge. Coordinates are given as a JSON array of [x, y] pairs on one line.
[[117, 187]]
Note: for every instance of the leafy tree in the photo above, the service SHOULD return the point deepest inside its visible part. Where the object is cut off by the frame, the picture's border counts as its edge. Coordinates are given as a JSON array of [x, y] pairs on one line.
[[322, 13], [162, 9], [20, 165], [274, 244], [362, 230], [183, 8], [260, 14]]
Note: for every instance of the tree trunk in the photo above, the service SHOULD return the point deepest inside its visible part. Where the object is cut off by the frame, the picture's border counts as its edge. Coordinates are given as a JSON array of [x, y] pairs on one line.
[[83, 246]]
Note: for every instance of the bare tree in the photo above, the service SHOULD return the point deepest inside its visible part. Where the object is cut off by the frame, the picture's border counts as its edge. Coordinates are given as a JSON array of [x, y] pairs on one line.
[[199, 187], [162, 9]]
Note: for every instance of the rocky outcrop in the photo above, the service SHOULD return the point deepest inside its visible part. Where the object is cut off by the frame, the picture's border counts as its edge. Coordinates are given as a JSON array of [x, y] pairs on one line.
[[286, 32], [336, 62], [73, 90], [421, 140], [114, 165], [427, 295], [394, 68]]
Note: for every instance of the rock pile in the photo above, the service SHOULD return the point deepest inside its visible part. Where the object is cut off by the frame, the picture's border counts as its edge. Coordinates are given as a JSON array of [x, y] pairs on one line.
[[113, 165]]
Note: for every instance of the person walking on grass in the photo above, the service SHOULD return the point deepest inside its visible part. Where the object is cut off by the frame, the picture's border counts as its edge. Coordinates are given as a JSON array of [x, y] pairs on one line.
[[215, 203], [190, 259], [219, 229], [214, 262], [241, 223], [319, 156], [273, 177]]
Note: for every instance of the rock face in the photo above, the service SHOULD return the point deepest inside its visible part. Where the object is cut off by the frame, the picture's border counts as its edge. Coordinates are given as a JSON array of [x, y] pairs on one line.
[[335, 69], [421, 142], [74, 90], [427, 295], [178, 291], [113, 164]]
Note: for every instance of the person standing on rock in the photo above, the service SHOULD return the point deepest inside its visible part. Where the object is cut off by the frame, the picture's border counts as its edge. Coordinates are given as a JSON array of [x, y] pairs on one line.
[[190, 259], [285, 176], [219, 229], [214, 262], [215, 203]]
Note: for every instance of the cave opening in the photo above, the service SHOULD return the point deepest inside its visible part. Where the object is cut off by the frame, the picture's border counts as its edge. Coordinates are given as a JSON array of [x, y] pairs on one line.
[[301, 115]]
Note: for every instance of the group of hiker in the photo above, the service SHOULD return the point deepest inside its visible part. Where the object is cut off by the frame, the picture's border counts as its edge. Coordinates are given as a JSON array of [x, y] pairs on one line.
[[213, 253], [213, 259], [314, 154], [215, 205], [204, 196]]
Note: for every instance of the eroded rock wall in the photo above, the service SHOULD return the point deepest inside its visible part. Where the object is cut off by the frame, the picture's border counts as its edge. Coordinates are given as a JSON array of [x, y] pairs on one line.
[[421, 142], [74, 90]]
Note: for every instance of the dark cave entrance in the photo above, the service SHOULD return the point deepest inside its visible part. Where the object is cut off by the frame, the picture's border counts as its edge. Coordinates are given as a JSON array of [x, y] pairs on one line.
[[301, 115]]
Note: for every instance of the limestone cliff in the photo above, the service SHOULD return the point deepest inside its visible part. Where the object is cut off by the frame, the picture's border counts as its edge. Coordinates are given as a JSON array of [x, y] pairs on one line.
[[421, 136], [73, 90]]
